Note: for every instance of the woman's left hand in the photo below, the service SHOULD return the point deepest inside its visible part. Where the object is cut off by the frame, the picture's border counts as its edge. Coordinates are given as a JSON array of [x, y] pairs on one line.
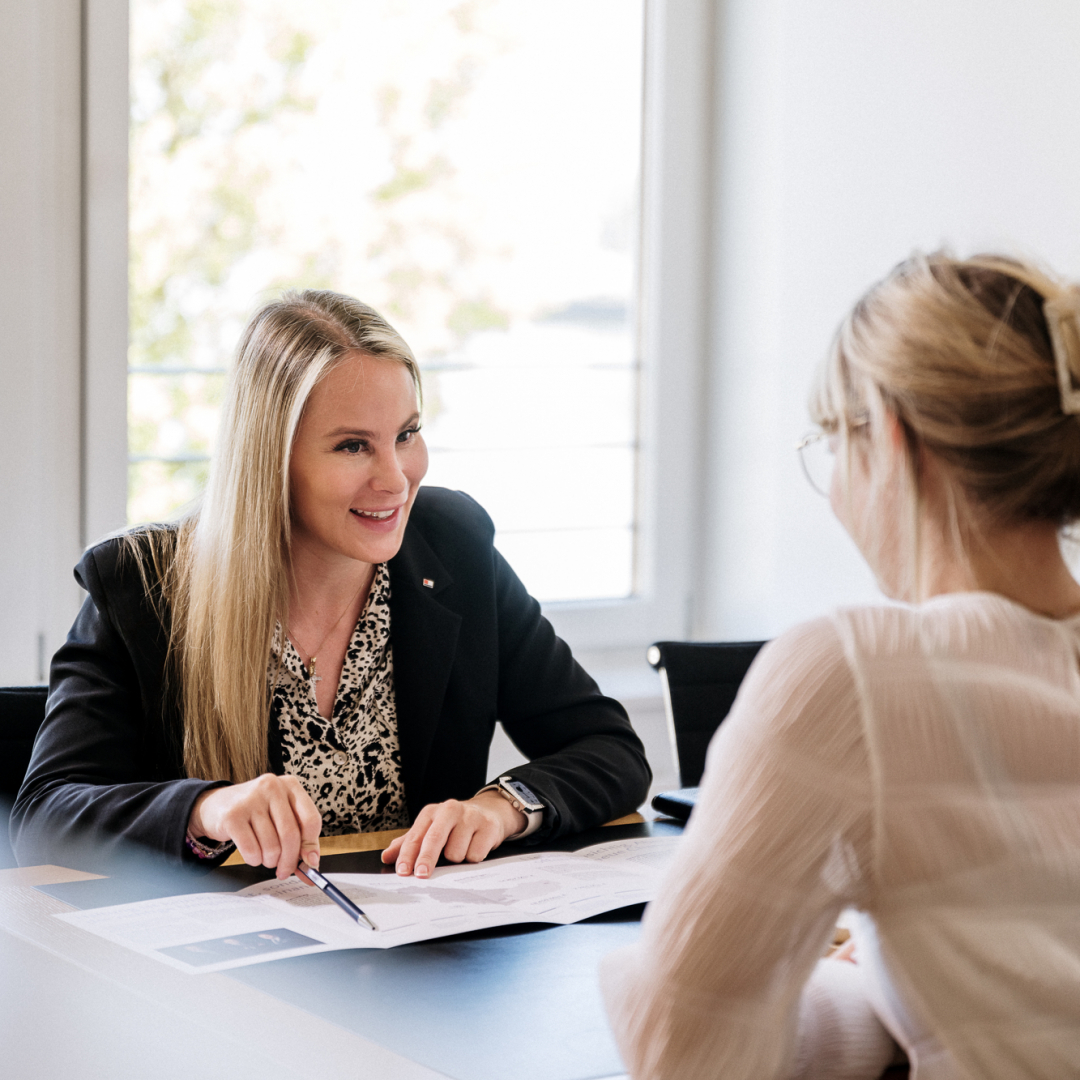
[[459, 830]]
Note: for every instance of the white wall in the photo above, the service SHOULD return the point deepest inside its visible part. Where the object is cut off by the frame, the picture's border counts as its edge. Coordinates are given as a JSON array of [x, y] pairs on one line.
[[63, 310], [105, 255], [40, 345], [848, 134]]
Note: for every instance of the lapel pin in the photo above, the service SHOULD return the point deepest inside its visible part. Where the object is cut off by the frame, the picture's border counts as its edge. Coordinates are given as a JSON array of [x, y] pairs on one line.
[[428, 583]]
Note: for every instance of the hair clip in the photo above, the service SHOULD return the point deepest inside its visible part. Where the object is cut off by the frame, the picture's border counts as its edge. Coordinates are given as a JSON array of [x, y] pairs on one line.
[[1063, 321]]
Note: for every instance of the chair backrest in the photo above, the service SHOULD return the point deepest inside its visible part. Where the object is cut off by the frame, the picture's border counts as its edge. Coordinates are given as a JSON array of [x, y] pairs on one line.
[[22, 709], [700, 681]]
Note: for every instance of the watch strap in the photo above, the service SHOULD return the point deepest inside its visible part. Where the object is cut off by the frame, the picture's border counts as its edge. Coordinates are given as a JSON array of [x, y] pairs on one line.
[[534, 815]]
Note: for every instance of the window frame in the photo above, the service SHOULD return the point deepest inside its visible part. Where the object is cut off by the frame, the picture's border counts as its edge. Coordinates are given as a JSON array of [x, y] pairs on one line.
[[105, 112], [672, 340]]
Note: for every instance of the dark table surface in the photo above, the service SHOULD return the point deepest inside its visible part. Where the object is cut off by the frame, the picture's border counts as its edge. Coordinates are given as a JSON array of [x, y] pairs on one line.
[[516, 1001]]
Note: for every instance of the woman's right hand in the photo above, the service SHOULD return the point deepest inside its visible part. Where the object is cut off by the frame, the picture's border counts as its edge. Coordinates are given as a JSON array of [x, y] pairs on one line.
[[271, 820]]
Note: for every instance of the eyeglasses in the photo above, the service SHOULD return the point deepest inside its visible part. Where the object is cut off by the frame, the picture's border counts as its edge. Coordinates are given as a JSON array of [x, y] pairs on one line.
[[817, 460], [817, 454]]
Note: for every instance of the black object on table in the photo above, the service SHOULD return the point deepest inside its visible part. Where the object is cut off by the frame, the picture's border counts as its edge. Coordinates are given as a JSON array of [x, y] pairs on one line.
[[676, 804]]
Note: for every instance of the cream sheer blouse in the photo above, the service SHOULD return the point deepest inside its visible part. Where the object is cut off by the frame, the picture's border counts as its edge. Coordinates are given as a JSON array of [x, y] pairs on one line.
[[923, 766]]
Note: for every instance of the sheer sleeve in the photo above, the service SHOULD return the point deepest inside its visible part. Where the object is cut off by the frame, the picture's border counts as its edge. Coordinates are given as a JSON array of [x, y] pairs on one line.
[[780, 841]]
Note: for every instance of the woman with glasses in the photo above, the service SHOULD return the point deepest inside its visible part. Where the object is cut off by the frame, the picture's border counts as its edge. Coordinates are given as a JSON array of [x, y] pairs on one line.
[[323, 646], [918, 762]]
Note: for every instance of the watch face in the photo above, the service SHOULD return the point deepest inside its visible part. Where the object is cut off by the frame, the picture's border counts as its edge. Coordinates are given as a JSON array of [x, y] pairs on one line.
[[523, 793]]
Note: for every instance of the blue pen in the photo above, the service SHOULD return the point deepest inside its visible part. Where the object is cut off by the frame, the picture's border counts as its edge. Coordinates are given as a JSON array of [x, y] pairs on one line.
[[335, 894]]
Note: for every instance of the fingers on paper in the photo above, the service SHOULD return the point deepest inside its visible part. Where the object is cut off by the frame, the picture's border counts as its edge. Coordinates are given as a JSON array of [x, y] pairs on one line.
[[405, 849], [273, 822], [297, 825], [265, 828], [308, 823], [459, 831], [473, 838], [287, 829], [421, 845], [247, 843], [483, 842], [446, 819], [391, 850]]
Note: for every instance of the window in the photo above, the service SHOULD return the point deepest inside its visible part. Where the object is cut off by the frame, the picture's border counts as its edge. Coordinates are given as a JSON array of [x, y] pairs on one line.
[[172, 413], [471, 169]]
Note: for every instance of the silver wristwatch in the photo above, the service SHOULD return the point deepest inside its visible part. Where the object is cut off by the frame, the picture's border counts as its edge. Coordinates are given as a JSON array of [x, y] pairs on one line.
[[521, 798]]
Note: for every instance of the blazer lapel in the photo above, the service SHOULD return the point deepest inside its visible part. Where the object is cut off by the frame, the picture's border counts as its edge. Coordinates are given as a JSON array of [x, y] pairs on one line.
[[423, 635]]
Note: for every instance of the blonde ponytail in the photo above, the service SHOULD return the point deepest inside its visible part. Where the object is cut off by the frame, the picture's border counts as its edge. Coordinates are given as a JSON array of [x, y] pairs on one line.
[[979, 360]]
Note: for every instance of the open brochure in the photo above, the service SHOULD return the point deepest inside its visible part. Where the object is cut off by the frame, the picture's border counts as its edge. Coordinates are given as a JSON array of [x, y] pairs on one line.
[[203, 932]]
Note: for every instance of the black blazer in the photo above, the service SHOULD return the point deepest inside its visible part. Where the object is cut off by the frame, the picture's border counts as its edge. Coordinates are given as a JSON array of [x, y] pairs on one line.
[[469, 650]]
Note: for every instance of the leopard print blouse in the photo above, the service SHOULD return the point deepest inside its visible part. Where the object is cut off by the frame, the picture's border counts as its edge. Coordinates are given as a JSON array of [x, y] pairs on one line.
[[350, 765]]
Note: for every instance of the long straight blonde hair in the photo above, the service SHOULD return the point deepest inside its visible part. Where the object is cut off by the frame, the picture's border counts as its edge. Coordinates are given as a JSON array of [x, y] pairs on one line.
[[224, 571]]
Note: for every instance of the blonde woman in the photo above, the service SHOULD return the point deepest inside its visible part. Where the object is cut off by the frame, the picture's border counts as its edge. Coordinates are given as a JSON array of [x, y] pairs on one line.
[[920, 763], [323, 647]]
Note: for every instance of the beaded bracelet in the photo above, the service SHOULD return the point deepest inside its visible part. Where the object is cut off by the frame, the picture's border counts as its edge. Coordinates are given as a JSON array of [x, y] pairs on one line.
[[205, 851]]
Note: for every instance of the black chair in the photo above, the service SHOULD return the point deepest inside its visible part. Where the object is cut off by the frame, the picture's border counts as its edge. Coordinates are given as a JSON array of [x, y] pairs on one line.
[[22, 709], [700, 681]]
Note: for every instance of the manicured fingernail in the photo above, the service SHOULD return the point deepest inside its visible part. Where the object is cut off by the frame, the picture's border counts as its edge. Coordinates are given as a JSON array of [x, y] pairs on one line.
[[312, 859], [421, 870], [402, 867]]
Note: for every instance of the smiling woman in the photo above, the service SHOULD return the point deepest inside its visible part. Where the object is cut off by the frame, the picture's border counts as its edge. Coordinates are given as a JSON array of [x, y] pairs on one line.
[[357, 462], [322, 646]]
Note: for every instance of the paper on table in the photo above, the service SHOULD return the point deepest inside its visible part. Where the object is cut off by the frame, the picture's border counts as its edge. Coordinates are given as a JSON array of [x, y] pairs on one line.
[[274, 919]]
